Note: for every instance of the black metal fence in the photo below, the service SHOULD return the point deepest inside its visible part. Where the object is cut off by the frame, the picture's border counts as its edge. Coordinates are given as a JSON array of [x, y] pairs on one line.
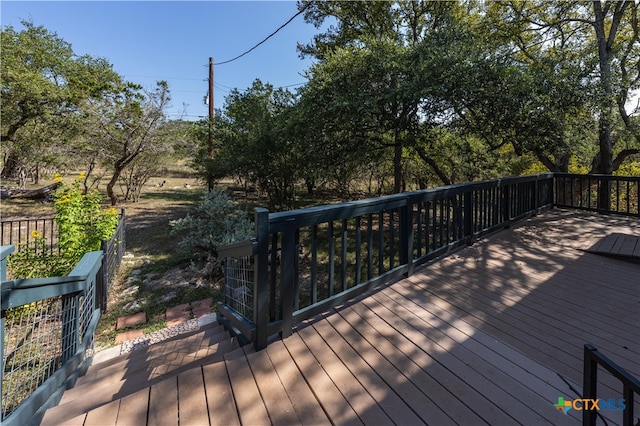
[[26, 231]]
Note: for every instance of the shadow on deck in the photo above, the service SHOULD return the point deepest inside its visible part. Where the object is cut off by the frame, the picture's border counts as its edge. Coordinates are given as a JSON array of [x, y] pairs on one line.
[[492, 334]]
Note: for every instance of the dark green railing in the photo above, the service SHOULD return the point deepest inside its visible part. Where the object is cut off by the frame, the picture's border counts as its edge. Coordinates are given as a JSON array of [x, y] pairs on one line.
[[303, 262], [598, 193], [46, 337]]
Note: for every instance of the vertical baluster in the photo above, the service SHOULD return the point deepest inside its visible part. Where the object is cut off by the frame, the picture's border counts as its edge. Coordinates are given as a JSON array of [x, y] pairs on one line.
[[343, 257], [314, 264], [332, 249], [358, 271]]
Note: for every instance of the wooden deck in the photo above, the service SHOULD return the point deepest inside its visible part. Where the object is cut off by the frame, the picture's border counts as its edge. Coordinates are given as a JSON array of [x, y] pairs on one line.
[[492, 334]]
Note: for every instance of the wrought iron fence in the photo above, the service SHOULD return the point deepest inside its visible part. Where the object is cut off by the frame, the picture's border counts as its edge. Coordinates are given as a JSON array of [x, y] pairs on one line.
[[24, 231], [47, 329]]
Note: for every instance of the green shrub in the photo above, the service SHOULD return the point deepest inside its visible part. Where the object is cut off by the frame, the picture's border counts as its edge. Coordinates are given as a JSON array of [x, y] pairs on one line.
[[82, 224], [34, 259], [216, 222], [81, 221]]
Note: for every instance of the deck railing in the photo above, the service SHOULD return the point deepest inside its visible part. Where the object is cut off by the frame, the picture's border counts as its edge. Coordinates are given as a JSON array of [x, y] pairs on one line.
[[598, 193], [303, 262], [46, 337], [630, 385], [113, 250]]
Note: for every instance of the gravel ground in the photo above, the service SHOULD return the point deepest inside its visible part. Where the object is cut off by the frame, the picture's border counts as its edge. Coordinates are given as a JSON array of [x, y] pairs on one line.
[[155, 337]]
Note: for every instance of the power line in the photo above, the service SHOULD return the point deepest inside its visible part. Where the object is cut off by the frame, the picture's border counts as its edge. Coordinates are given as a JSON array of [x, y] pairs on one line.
[[267, 38]]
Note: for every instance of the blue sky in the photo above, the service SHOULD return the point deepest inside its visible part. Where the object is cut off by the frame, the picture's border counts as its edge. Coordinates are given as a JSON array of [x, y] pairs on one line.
[[148, 41]]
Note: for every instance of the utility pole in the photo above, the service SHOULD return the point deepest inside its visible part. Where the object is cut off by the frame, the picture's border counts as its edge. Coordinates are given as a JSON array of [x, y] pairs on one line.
[[211, 114]]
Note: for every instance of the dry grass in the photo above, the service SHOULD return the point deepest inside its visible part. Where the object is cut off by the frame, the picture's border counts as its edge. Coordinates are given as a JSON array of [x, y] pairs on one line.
[[149, 241]]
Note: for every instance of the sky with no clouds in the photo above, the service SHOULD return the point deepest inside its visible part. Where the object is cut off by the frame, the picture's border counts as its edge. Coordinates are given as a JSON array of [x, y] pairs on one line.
[[147, 41]]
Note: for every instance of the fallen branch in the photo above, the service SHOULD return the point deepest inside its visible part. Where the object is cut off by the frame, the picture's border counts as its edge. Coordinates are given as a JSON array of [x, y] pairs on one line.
[[30, 194]]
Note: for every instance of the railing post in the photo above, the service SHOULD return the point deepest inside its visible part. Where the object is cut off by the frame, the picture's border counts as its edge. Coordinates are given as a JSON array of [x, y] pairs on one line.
[[589, 384], [506, 208], [102, 280], [261, 279], [468, 215], [5, 251], [604, 195]]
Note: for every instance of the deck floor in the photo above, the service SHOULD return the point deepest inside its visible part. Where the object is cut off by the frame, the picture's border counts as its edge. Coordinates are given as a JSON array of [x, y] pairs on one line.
[[492, 334]]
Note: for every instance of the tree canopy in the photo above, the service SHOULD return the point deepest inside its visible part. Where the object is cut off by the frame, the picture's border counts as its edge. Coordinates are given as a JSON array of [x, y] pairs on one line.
[[401, 95]]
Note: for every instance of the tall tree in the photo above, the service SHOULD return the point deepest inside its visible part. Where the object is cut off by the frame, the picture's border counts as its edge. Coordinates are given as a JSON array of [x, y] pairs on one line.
[[603, 39], [256, 143], [42, 84], [365, 67], [127, 123]]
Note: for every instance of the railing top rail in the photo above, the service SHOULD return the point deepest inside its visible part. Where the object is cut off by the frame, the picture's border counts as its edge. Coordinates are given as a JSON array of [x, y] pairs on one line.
[[22, 291], [241, 248], [597, 176], [5, 251], [311, 215], [27, 219]]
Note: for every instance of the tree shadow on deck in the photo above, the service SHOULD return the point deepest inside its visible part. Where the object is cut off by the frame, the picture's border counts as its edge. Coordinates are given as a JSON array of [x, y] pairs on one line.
[[495, 332]]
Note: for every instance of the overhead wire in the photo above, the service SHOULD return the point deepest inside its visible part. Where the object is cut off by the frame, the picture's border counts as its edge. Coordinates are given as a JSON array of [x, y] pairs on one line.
[[266, 38]]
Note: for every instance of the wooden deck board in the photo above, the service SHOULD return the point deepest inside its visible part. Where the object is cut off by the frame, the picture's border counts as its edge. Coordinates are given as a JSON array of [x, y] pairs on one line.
[[133, 409], [104, 415], [304, 401], [192, 403], [504, 394], [492, 334], [338, 409], [387, 398], [247, 398], [617, 244], [163, 402], [274, 395], [221, 405], [535, 322], [426, 397], [345, 380]]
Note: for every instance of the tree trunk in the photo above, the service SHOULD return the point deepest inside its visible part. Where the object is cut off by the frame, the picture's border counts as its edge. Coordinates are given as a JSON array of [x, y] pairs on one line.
[[11, 166], [112, 196], [30, 194]]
